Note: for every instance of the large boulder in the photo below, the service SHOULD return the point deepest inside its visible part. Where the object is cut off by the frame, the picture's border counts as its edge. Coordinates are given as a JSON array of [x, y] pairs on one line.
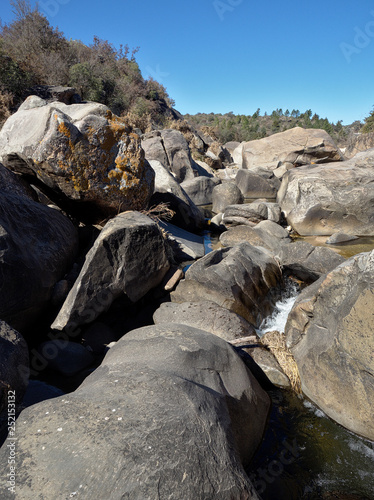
[[14, 366], [207, 316], [297, 146], [169, 191], [129, 256], [82, 153], [330, 333], [172, 412], [38, 244], [237, 278], [171, 149], [331, 198]]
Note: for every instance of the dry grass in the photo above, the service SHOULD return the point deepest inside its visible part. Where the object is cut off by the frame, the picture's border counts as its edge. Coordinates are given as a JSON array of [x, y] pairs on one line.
[[6, 101], [159, 212], [276, 343]]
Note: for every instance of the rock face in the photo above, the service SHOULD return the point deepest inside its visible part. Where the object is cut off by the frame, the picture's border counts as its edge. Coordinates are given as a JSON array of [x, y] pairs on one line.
[[257, 183], [38, 244], [200, 189], [168, 190], [129, 257], [359, 142], [331, 198], [171, 412], [330, 333], [171, 149], [14, 365], [237, 278], [82, 152], [306, 261], [297, 146], [13, 184], [207, 316]]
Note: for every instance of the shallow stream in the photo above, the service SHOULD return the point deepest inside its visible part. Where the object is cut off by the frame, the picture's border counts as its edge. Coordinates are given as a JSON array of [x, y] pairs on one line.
[[304, 454]]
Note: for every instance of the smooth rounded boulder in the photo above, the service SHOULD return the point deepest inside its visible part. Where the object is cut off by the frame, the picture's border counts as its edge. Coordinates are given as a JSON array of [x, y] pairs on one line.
[[330, 333], [297, 146], [172, 412], [207, 316], [330, 198], [85, 155], [238, 278]]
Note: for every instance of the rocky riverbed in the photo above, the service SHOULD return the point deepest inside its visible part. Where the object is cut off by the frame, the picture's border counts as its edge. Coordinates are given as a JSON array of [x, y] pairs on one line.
[[130, 350]]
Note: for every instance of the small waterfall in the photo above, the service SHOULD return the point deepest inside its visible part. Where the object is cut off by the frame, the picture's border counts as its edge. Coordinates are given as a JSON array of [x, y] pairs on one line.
[[277, 320]]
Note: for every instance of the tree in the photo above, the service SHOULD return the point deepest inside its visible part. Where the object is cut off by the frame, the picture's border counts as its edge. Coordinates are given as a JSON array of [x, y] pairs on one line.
[[369, 123]]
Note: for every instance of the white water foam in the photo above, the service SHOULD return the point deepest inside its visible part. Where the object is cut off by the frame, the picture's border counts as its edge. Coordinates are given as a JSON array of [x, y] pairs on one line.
[[278, 319]]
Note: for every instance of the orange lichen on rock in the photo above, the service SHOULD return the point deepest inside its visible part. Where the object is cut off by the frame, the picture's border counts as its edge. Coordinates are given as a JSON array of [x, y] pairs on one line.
[[105, 162]]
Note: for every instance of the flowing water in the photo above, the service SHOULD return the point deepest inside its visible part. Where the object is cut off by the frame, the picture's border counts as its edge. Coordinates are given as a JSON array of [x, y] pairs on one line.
[[304, 454], [278, 319]]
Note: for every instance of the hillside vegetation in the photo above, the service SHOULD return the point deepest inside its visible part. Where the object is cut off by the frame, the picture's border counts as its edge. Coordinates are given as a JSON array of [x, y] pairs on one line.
[[32, 52]]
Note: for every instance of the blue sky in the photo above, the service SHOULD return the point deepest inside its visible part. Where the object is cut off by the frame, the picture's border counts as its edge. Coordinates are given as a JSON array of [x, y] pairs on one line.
[[239, 55]]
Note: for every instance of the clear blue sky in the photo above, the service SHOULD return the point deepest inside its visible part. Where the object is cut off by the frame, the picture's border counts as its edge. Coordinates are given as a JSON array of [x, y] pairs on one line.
[[239, 55]]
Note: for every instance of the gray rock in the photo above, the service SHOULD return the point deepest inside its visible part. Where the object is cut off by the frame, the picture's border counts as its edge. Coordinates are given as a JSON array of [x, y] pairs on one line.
[[330, 333], [237, 155], [269, 365], [38, 246], [306, 261], [162, 416], [85, 155], [207, 316], [67, 358], [256, 211], [129, 257], [224, 195], [200, 189], [241, 234], [178, 154], [297, 146], [269, 229], [257, 183], [154, 149], [185, 245], [231, 146], [14, 365], [169, 191], [170, 148], [237, 278], [337, 238], [14, 184], [331, 198]]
